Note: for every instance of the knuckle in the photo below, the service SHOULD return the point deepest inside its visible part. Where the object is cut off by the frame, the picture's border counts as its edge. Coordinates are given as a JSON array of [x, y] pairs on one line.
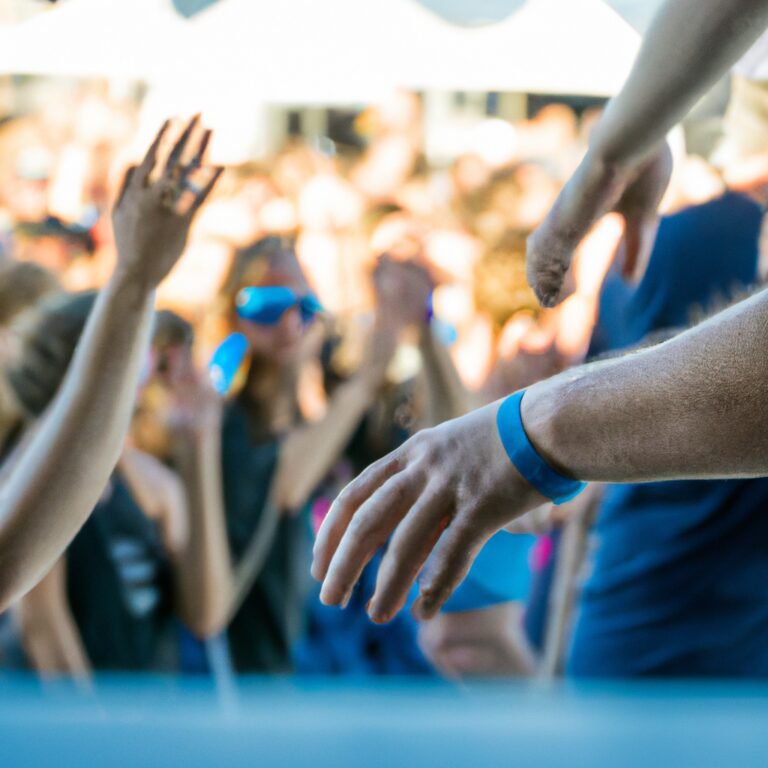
[[361, 527]]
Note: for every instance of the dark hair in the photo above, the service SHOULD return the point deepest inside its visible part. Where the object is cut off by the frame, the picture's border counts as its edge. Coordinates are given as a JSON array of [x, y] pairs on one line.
[[22, 285], [270, 251], [171, 330], [49, 335]]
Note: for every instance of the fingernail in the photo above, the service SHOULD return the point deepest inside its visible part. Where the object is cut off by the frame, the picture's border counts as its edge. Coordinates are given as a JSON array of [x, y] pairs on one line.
[[328, 596], [422, 609], [375, 614]]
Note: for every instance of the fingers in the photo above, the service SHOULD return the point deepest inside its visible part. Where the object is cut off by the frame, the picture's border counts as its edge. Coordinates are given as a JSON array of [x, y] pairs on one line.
[[407, 552], [148, 163], [547, 262], [345, 506], [451, 561], [202, 196], [197, 160], [129, 174], [368, 530], [174, 158]]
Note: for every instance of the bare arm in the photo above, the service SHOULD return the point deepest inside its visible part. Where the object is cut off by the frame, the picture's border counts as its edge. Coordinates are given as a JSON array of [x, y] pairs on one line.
[[692, 407], [60, 474], [690, 44], [308, 453], [58, 477], [688, 47], [49, 633], [447, 397], [204, 567]]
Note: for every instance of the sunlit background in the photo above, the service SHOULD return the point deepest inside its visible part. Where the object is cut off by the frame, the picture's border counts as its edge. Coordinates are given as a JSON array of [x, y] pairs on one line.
[[440, 131]]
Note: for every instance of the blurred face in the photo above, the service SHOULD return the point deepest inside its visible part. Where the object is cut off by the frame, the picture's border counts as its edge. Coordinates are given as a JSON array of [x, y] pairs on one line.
[[281, 342]]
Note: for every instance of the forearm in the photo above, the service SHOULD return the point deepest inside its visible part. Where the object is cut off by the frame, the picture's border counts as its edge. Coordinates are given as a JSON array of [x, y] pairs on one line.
[[59, 475], [446, 396], [693, 407], [203, 566], [310, 452], [690, 44], [49, 633]]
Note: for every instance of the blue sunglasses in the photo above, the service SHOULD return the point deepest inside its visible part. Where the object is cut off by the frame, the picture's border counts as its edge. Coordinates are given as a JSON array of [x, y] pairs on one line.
[[266, 305]]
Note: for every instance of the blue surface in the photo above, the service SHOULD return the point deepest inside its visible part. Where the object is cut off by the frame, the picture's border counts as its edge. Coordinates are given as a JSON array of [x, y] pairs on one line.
[[501, 573], [293, 723]]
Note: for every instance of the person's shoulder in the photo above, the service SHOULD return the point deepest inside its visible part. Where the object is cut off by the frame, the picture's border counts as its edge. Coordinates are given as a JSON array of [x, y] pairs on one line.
[[728, 203]]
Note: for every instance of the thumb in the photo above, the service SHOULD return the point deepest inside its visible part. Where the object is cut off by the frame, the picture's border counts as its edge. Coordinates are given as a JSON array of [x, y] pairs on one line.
[[637, 243]]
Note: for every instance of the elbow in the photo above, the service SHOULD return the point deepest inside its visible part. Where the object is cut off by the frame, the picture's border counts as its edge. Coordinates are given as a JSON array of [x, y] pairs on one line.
[[210, 615], [209, 623]]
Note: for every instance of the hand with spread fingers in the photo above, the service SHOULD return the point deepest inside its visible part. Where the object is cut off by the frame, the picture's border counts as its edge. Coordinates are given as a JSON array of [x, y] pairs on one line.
[[55, 477], [436, 500], [152, 216]]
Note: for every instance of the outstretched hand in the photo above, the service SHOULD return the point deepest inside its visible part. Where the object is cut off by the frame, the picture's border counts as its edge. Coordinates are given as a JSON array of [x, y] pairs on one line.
[[594, 190], [437, 500], [152, 216]]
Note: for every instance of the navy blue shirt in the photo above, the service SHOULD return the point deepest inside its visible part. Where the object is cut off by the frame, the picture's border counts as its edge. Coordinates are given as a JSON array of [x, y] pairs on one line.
[[679, 582]]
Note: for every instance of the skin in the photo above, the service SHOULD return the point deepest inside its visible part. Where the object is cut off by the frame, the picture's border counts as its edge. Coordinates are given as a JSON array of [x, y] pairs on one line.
[[309, 451], [50, 488], [690, 44], [692, 407], [485, 642], [202, 561]]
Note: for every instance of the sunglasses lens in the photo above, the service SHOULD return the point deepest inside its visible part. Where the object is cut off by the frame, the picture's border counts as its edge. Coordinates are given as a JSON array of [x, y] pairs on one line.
[[310, 307], [265, 305]]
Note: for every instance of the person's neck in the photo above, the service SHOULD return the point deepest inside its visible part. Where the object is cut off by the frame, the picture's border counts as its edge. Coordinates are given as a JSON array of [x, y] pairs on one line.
[[271, 390]]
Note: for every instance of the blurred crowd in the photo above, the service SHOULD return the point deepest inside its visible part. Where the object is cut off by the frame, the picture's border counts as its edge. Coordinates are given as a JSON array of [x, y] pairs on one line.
[[197, 557]]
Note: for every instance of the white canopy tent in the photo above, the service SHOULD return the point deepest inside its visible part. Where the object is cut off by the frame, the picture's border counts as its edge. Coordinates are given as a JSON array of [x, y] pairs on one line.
[[547, 46], [327, 51], [95, 38], [306, 51]]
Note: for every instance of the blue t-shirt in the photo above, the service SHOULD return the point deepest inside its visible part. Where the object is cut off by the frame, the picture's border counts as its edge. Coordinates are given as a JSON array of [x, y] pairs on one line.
[[347, 642], [679, 582], [501, 573]]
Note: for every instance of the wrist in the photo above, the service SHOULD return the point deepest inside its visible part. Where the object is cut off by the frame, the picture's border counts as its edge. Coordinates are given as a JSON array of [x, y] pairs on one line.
[[201, 430], [545, 420], [126, 284], [373, 377]]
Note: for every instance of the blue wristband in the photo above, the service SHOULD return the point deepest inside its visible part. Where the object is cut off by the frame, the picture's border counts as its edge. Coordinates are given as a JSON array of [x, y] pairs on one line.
[[547, 481]]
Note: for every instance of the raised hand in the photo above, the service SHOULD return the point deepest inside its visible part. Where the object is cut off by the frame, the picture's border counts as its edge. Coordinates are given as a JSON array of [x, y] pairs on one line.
[[402, 291], [596, 189], [152, 216], [437, 500], [196, 406]]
